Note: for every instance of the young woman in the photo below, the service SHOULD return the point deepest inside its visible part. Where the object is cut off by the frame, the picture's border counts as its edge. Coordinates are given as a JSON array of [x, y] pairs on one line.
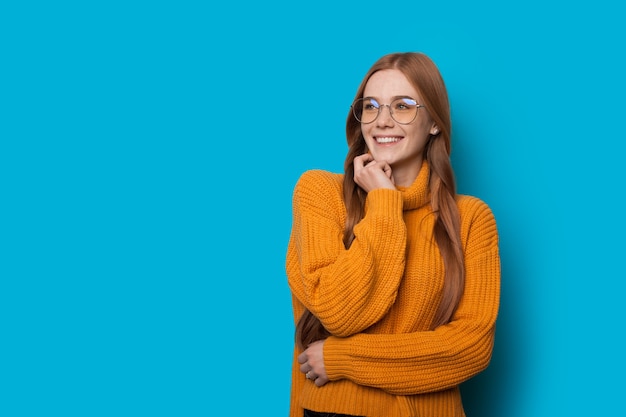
[[395, 278]]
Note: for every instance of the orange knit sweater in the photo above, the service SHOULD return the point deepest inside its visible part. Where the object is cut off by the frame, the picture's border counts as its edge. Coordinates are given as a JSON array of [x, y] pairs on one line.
[[378, 299]]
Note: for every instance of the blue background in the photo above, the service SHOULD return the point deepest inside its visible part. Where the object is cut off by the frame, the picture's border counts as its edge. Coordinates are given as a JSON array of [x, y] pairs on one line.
[[148, 151]]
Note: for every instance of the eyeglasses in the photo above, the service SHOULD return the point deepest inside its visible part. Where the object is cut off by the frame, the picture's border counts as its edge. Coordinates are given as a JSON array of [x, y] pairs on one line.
[[402, 110]]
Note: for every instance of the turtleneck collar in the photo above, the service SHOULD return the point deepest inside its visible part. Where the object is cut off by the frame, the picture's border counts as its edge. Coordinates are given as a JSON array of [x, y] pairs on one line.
[[417, 194]]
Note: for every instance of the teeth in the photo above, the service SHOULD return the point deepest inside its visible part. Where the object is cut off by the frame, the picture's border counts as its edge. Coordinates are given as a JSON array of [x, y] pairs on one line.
[[386, 140]]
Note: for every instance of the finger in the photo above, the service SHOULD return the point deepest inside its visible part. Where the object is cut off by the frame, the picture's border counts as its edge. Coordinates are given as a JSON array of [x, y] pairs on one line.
[[361, 160], [387, 170], [320, 381], [302, 357]]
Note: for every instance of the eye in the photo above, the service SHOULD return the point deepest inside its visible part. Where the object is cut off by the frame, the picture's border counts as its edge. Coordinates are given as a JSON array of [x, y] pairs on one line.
[[404, 104], [370, 104]]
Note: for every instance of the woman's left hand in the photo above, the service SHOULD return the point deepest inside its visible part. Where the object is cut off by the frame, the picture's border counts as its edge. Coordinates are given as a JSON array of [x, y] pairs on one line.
[[312, 363]]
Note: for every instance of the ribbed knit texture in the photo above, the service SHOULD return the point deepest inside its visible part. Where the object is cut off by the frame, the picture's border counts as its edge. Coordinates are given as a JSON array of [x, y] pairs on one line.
[[379, 297]]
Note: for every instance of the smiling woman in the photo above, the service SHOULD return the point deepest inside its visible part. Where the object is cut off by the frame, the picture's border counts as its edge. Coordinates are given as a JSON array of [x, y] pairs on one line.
[[395, 278]]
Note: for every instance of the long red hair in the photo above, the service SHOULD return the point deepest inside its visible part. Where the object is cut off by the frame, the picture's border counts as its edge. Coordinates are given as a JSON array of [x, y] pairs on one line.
[[424, 75]]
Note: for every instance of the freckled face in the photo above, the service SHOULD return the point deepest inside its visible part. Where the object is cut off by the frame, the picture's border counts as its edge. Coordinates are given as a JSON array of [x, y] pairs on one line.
[[400, 145]]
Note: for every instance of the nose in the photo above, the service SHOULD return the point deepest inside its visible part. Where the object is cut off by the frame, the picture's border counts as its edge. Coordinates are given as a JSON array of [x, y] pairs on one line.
[[384, 117]]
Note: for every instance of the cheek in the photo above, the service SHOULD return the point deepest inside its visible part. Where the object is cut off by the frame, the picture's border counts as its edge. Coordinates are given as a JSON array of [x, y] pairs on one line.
[[421, 132], [418, 139], [365, 131]]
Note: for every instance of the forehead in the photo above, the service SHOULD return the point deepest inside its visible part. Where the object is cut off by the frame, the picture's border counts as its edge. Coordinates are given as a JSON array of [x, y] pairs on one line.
[[389, 83]]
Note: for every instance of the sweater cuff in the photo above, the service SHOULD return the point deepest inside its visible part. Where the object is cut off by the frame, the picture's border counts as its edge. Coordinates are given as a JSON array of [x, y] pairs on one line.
[[384, 200], [336, 358]]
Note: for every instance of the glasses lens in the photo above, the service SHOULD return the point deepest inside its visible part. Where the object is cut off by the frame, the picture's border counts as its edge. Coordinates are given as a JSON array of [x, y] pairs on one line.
[[404, 110], [365, 110]]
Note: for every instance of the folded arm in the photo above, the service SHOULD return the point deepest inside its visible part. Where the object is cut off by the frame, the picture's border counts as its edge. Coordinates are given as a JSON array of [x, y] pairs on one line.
[[347, 289]]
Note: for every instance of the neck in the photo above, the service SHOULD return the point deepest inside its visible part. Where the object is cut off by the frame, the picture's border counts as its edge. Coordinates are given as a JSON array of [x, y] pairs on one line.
[[404, 175]]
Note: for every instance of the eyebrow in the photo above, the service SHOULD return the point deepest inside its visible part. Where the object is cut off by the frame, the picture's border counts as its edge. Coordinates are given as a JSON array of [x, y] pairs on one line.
[[392, 98]]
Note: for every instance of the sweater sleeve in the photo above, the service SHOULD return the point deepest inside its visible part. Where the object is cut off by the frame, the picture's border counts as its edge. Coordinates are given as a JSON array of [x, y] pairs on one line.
[[428, 361], [347, 289]]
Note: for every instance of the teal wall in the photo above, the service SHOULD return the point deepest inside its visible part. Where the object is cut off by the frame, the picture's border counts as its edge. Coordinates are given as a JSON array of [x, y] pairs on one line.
[[148, 153]]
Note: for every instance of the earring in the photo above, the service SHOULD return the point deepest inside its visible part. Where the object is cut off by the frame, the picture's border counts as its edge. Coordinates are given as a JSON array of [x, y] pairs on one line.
[[434, 132]]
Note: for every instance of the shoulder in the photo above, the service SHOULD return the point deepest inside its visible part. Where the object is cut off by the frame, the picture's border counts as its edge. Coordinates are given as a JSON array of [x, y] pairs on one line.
[[473, 207], [319, 191], [319, 182], [478, 223]]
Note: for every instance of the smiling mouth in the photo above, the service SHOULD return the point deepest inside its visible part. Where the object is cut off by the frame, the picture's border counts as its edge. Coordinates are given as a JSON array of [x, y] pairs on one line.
[[387, 139]]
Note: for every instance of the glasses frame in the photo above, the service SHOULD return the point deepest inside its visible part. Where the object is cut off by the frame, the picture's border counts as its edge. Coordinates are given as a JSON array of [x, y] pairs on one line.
[[380, 108]]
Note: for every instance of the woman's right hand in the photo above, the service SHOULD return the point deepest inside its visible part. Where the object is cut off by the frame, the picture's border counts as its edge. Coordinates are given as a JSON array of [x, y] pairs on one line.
[[312, 363], [370, 174]]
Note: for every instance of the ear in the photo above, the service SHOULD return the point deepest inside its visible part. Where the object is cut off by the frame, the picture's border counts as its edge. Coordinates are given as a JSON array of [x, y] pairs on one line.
[[434, 130]]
